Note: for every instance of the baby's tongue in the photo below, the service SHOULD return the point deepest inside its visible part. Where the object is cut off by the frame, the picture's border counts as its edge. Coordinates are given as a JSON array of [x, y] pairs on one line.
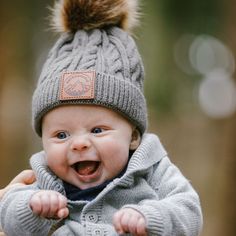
[[87, 167]]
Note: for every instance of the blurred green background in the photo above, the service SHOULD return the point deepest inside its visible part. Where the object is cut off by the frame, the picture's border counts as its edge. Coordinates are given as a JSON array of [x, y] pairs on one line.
[[188, 48]]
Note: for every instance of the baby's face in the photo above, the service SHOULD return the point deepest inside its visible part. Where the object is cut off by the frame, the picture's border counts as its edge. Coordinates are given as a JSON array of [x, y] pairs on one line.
[[86, 145]]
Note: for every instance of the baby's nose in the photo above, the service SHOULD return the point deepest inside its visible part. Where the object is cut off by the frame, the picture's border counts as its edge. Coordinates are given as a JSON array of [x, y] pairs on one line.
[[80, 143]]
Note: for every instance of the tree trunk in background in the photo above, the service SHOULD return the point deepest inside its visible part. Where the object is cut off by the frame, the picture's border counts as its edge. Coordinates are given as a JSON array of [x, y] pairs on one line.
[[228, 201], [22, 37], [227, 174], [3, 68]]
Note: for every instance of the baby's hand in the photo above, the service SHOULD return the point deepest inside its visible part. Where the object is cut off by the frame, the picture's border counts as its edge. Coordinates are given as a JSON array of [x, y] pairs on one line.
[[128, 220], [49, 204]]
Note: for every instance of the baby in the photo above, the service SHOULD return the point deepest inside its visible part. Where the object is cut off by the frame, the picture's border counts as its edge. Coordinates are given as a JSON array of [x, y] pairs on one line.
[[100, 173], [86, 146]]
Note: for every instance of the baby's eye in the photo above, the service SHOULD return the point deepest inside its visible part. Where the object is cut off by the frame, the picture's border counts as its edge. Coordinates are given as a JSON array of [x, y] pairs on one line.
[[62, 135], [97, 130]]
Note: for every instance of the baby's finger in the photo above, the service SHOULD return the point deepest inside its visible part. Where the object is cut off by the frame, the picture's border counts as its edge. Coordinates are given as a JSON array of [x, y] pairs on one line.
[[141, 227], [63, 213], [62, 201], [45, 201], [124, 221], [53, 205], [117, 222], [132, 224], [35, 204]]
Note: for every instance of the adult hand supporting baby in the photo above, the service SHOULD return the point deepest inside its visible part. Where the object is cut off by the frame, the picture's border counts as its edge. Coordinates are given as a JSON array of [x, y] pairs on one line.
[[23, 178]]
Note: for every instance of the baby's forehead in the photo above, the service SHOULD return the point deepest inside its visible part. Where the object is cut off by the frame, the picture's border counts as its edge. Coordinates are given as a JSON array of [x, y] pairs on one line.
[[94, 110], [84, 113]]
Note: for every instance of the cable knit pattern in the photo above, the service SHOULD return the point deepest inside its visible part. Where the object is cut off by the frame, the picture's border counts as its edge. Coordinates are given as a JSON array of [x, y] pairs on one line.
[[113, 55]]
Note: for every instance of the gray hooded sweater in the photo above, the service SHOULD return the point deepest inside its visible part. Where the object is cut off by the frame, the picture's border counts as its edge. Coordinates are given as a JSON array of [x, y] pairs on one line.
[[151, 185]]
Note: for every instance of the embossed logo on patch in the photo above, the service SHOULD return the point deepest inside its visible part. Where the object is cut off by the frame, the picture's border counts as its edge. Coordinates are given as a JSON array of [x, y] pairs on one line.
[[77, 85]]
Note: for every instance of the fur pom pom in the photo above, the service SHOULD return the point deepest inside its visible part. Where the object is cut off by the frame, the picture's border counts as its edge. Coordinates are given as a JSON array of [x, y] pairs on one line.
[[72, 15]]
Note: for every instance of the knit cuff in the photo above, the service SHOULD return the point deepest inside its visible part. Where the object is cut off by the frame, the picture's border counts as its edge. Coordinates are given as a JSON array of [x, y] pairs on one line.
[[28, 220]]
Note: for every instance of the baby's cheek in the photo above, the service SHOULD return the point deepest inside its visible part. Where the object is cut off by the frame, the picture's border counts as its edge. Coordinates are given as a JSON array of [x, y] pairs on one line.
[[56, 167]]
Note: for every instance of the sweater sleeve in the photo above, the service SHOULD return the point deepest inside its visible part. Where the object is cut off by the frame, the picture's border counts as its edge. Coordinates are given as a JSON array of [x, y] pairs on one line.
[[177, 210], [16, 216]]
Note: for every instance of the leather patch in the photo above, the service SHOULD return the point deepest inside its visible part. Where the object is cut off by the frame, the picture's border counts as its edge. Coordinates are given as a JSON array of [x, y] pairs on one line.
[[77, 85]]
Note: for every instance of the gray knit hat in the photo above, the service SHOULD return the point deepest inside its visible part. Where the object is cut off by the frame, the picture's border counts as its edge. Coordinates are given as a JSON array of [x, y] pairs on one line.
[[95, 61]]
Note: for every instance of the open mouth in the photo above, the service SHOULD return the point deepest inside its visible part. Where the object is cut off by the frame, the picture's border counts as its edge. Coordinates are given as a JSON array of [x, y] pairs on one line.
[[86, 167]]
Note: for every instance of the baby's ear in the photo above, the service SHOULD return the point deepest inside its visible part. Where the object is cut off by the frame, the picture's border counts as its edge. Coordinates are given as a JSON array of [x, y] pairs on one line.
[[135, 139]]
